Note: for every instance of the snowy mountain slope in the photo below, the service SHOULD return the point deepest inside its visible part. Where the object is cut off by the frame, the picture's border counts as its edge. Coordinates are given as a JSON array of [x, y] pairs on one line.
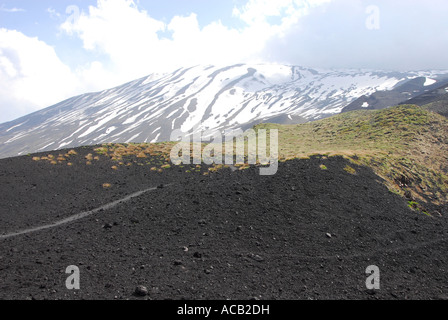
[[199, 98]]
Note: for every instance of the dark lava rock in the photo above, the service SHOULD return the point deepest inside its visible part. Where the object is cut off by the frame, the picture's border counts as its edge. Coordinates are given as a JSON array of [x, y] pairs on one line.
[[141, 291], [255, 257]]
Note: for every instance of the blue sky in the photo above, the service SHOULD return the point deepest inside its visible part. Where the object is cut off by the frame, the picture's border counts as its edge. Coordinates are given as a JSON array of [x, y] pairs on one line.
[[34, 18], [42, 19], [51, 50]]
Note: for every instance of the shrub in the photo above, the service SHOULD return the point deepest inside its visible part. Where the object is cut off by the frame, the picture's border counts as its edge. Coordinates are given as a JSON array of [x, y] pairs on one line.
[[102, 150], [349, 169]]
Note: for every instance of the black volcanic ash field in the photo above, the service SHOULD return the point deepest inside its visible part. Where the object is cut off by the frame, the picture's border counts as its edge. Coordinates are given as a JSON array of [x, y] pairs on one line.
[[304, 233]]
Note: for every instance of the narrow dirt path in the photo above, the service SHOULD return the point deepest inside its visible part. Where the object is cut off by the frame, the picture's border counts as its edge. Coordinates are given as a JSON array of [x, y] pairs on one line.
[[78, 216]]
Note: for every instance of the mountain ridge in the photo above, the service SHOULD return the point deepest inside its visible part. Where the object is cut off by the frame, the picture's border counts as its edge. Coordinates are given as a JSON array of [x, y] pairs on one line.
[[197, 98]]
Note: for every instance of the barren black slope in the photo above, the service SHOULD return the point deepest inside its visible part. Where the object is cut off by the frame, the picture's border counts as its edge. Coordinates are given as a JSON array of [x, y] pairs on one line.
[[438, 94], [435, 100], [410, 92], [308, 232]]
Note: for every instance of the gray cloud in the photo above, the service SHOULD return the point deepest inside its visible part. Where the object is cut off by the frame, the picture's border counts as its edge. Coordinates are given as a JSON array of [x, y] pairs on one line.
[[412, 35]]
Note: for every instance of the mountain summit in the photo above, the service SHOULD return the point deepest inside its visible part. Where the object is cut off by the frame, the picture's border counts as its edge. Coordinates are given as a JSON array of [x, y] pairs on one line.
[[197, 98]]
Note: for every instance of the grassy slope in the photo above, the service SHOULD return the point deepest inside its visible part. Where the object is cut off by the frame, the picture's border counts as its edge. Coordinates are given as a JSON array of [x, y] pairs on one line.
[[406, 145]]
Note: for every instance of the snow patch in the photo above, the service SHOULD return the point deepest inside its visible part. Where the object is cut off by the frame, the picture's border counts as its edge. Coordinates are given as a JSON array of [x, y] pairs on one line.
[[100, 123], [133, 138], [16, 126], [109, 130], [62, 145], [429, 82], [155, 139], [51, 143]]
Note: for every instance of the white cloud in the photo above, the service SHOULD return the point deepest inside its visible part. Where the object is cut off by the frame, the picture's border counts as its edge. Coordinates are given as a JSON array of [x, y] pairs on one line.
[[32, 75], [129, 36], [11, 10], [412, 36], [53, 13], [289, 11], [121, 31]]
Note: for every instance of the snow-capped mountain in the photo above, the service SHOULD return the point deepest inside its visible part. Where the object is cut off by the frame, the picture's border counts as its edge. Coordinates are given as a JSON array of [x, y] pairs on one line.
[[199, 98]]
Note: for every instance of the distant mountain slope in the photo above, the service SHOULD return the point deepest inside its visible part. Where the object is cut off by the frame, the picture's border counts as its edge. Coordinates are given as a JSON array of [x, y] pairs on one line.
[[435, 100], [192, 99], [437, 94], [404, 93]]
